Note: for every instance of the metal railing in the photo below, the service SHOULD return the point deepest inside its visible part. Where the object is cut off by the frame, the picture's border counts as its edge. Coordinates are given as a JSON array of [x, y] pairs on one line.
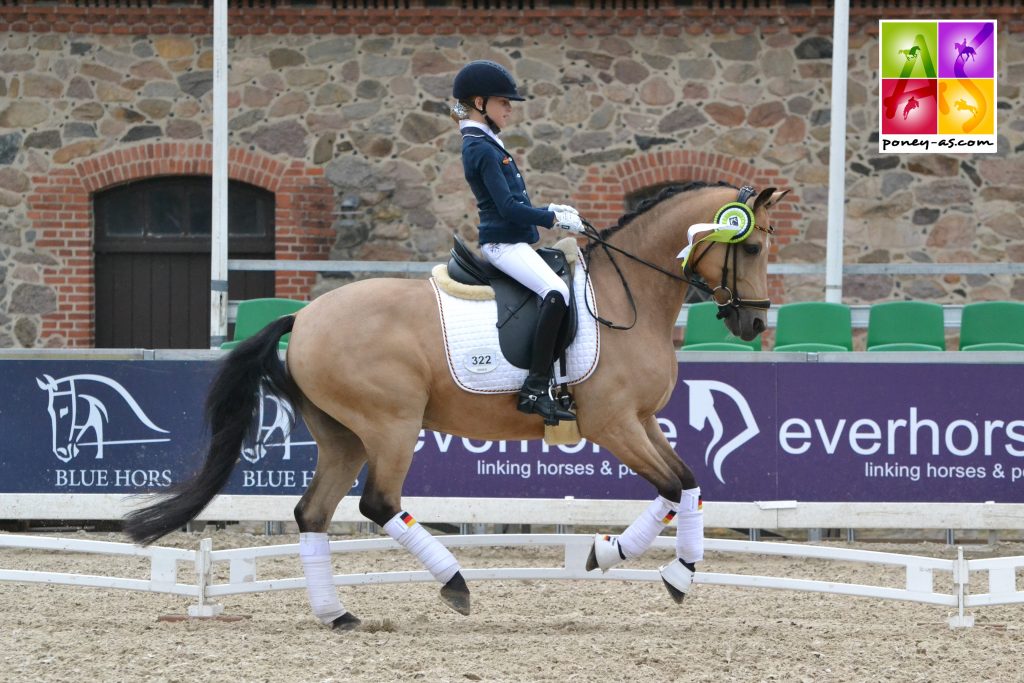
[[858, 312]]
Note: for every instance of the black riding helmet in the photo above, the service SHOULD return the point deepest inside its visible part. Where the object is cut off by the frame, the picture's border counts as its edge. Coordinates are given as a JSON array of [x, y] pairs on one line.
[[484, 79]]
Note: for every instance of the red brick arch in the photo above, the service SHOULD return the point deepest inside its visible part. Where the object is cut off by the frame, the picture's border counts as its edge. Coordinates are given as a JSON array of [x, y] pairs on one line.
[[60, 209], [601, 197]]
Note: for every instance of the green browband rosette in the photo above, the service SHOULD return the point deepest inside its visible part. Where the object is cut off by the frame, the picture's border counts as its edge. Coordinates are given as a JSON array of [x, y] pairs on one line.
[[734, 223], [737, 215]]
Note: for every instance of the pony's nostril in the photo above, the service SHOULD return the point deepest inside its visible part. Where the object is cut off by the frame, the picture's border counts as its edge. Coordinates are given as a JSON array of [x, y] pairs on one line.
[[759, 325]]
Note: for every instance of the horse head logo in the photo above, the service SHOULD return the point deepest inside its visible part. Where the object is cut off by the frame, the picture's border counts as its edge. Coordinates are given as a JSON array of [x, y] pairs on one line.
[[75, 414], [703, 411], [276, 417]]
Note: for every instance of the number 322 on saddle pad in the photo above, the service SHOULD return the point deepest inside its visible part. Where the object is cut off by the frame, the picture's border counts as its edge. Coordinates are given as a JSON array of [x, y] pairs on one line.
[[487, 336]]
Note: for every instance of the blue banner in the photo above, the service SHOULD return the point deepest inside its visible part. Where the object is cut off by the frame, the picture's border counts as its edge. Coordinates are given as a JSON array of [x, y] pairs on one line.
[[857, 432]]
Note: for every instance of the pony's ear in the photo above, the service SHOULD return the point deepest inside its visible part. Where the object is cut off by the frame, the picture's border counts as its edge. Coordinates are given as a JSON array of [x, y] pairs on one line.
[[769, 197]]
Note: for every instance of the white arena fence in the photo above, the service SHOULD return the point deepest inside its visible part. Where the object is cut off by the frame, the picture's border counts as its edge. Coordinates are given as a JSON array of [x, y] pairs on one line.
[[919, 584]]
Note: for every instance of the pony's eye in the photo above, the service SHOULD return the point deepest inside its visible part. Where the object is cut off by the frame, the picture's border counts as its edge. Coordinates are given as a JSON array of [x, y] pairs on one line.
[[752, 249]]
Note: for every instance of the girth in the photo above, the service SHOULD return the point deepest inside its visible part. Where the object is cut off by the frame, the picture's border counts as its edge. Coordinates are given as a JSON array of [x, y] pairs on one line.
[[517, 306]]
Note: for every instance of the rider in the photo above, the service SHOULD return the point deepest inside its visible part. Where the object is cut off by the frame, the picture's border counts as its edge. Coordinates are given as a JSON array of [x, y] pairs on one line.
[[483, 91]]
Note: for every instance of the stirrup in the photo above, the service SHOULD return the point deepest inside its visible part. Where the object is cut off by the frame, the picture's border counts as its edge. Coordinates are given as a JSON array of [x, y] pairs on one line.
[[544, 405]]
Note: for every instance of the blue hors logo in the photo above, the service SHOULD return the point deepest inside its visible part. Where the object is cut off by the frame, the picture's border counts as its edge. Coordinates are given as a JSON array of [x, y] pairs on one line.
[[274, 425], [78, 417], [703, 412]]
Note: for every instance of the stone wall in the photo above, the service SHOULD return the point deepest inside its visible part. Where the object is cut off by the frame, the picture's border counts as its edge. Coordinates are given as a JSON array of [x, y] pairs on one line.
[[352, 121]]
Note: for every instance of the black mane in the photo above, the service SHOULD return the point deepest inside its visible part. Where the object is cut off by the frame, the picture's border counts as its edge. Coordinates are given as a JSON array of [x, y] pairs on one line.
[[650, 203]]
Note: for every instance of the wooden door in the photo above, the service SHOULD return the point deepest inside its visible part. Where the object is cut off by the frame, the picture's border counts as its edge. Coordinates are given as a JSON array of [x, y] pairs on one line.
[[153, 259]]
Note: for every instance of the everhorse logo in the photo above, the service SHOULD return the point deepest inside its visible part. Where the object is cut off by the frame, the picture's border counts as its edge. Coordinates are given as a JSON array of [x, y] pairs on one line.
[[703, 412], [910, 436], [74, 414]]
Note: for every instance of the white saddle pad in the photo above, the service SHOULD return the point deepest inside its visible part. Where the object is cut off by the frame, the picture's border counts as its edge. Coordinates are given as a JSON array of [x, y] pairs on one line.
[[474, 353]]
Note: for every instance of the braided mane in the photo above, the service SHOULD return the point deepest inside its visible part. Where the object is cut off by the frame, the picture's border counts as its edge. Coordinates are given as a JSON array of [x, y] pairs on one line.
[[648, 204]]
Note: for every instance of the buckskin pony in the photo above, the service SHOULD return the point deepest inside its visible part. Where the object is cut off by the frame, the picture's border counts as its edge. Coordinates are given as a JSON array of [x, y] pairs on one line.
[[366, 369]]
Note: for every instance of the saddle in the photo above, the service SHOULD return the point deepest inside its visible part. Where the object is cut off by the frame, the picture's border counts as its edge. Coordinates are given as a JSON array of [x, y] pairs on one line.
[[518, 306]]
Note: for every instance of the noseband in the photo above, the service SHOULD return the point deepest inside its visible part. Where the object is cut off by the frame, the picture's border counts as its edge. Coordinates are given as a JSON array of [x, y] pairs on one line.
[[728, 299]]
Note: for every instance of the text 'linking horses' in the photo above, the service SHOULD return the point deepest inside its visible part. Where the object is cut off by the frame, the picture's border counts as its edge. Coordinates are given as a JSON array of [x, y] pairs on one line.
[[366, 369]]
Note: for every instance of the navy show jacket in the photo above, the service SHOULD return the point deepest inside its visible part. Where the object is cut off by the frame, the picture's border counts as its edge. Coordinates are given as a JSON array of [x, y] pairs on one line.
[[506, 214]]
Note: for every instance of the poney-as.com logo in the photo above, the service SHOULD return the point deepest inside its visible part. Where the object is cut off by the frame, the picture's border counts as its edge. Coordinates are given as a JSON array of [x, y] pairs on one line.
[[937, 86]]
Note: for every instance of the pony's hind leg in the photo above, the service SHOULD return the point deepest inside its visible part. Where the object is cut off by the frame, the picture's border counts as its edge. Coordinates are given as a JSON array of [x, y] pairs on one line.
[[390, 455], [340, 455]]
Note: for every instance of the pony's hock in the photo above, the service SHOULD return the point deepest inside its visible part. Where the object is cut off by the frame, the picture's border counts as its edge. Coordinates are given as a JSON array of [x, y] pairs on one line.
[[357, 419]]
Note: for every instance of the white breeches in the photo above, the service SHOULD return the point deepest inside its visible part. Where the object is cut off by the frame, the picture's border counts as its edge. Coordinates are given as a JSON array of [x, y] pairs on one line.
[[520, 262]]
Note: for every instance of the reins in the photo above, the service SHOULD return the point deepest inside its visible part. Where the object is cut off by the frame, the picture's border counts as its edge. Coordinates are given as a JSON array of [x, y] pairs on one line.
[[725, 308]]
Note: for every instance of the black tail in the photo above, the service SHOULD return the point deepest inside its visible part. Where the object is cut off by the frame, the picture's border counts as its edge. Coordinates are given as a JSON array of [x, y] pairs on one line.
[[231, 409]]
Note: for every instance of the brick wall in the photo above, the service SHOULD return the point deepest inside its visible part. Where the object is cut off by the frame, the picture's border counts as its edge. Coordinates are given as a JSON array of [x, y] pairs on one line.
[[630, 18], [60, 209], [346, 99]]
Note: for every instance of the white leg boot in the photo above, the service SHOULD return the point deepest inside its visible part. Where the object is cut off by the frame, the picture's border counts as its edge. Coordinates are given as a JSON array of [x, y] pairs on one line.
[[678, 574], [609, 551]]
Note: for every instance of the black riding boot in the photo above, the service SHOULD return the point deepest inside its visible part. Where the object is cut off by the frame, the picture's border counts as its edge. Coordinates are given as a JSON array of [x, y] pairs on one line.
[[534, 396]]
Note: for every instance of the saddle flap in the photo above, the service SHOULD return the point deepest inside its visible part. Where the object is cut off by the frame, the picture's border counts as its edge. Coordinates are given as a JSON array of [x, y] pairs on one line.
[[517, 305]]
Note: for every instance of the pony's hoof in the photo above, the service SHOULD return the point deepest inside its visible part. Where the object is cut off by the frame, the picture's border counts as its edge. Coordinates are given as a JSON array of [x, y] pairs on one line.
[[346, 622], [455, 594], [592, 560], [678, 578], [604, 553], [676, 594]]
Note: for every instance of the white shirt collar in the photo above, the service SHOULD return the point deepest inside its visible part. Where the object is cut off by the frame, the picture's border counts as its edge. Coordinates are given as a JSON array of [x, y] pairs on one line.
[[487, 129]]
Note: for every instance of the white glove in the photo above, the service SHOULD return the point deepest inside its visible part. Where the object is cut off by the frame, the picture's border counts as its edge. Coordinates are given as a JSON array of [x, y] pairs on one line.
[[562, 207], [568, 220]]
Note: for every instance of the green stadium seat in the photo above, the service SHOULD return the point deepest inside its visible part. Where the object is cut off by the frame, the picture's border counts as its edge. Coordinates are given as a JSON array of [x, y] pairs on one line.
[[906, 326], [992, 326], [255, 314], [813, 326], [705, 332]]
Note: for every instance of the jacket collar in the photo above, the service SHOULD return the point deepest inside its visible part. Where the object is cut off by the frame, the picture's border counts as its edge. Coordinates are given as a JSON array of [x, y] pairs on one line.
[[478, 130]]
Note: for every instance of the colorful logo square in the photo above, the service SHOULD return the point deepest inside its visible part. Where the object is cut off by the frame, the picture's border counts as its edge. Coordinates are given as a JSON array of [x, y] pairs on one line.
[[908, 49], [967, 49], [966, 106], [937, 86], [909, 106]]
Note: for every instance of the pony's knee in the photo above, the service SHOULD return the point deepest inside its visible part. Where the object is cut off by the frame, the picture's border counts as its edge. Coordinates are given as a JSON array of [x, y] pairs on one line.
[[687, 479], [671, 489], [376, 507]]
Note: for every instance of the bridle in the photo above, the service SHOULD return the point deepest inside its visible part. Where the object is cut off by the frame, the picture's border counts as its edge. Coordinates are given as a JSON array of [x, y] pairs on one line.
[[727, 299]]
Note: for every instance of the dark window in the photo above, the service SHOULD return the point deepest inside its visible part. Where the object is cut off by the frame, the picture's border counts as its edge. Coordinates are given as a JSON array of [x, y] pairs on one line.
[[153, 259]]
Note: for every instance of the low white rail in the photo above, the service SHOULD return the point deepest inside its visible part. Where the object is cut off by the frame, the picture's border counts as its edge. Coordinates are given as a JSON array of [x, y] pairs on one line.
[[919, 584]]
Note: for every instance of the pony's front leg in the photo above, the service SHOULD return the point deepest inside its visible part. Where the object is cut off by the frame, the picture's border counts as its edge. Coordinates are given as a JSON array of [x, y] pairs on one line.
[[629, 442], [678, 575], [646, 451], [382, 503]]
